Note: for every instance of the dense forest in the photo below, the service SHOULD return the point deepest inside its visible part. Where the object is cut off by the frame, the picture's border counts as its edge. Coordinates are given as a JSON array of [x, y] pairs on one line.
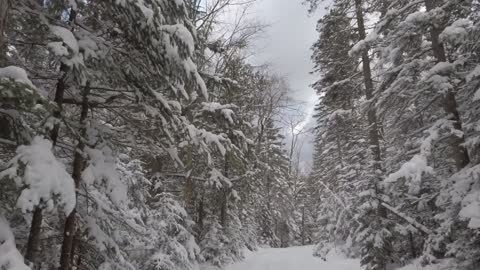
[[396, 161], [138, 134]]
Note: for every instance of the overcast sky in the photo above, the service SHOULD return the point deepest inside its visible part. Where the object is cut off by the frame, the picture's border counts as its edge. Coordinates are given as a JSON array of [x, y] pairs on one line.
[[286, 46]]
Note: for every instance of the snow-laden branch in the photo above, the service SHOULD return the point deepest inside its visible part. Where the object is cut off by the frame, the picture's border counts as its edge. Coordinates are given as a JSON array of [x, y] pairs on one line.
[[414, 169], [44, 180], [408, 219], [342, 203]]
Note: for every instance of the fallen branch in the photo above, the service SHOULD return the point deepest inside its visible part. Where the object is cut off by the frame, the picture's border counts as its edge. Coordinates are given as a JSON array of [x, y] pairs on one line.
[[408, 219]]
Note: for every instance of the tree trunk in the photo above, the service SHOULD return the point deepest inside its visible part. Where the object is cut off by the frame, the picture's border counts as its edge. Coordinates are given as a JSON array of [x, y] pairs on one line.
[[69, 229], [303, 225], [223, 208], [459, 152], [35, 227], [75, 260], [189, 188], [367, 77], [78, 166], [373, 134], [224, 196], [67, 244], [4, 8], [34, 236], [201, 214], [413, 251]]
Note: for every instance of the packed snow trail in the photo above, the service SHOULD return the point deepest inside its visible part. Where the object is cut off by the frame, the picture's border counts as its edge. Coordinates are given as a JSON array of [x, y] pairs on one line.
[[294, 258]]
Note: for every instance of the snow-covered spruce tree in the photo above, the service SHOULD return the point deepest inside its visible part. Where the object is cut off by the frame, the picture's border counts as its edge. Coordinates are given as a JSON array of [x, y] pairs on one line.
[[375, 229], [268, 173], [339, 169], [274, 212], [439, 103], [248, 175], [346, 109], [39, 31]]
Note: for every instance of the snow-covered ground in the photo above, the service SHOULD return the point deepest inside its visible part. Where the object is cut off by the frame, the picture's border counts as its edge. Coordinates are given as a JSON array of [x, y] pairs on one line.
[[294, 258]]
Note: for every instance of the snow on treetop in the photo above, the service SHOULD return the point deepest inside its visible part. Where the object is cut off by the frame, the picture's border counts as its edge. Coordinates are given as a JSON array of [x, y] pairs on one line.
[[473, 74], [17, 74], [476, 96], [102, 169], [440, 68], [217, 179], [471, 209], [225, 109], [182, 33], [466, 191], [43, 178], [214, 106], [57, 48], [363, 44], [67, 37], [147, 12], [338, 113], [456, 32], [413, 169]]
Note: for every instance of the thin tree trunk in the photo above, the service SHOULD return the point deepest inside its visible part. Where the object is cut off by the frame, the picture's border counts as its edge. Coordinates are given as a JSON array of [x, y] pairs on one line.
[[201, 214], [35, 227], [373, 134], [4, 8], [413, 251], [459, 152], [34, 236], [69, 229], [225, 191], [367, 77], [78, 166], [303, 225], [189, 188], [75, 260], [223, 208]]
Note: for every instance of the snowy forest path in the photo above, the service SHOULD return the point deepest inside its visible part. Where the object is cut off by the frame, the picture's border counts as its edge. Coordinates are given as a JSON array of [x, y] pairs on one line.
[[294, 258]]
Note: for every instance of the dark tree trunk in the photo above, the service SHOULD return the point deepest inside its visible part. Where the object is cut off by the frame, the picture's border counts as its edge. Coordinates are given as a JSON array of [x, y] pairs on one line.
[[69, 232], [35, 227], [367, 77], [67, 243], [224, 195], [303, 225], [373, 129], [413, 250], [201, 214], [59, 93], [4, 8], [373, 134], [34, 236], [223, 209], [459, 152]]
